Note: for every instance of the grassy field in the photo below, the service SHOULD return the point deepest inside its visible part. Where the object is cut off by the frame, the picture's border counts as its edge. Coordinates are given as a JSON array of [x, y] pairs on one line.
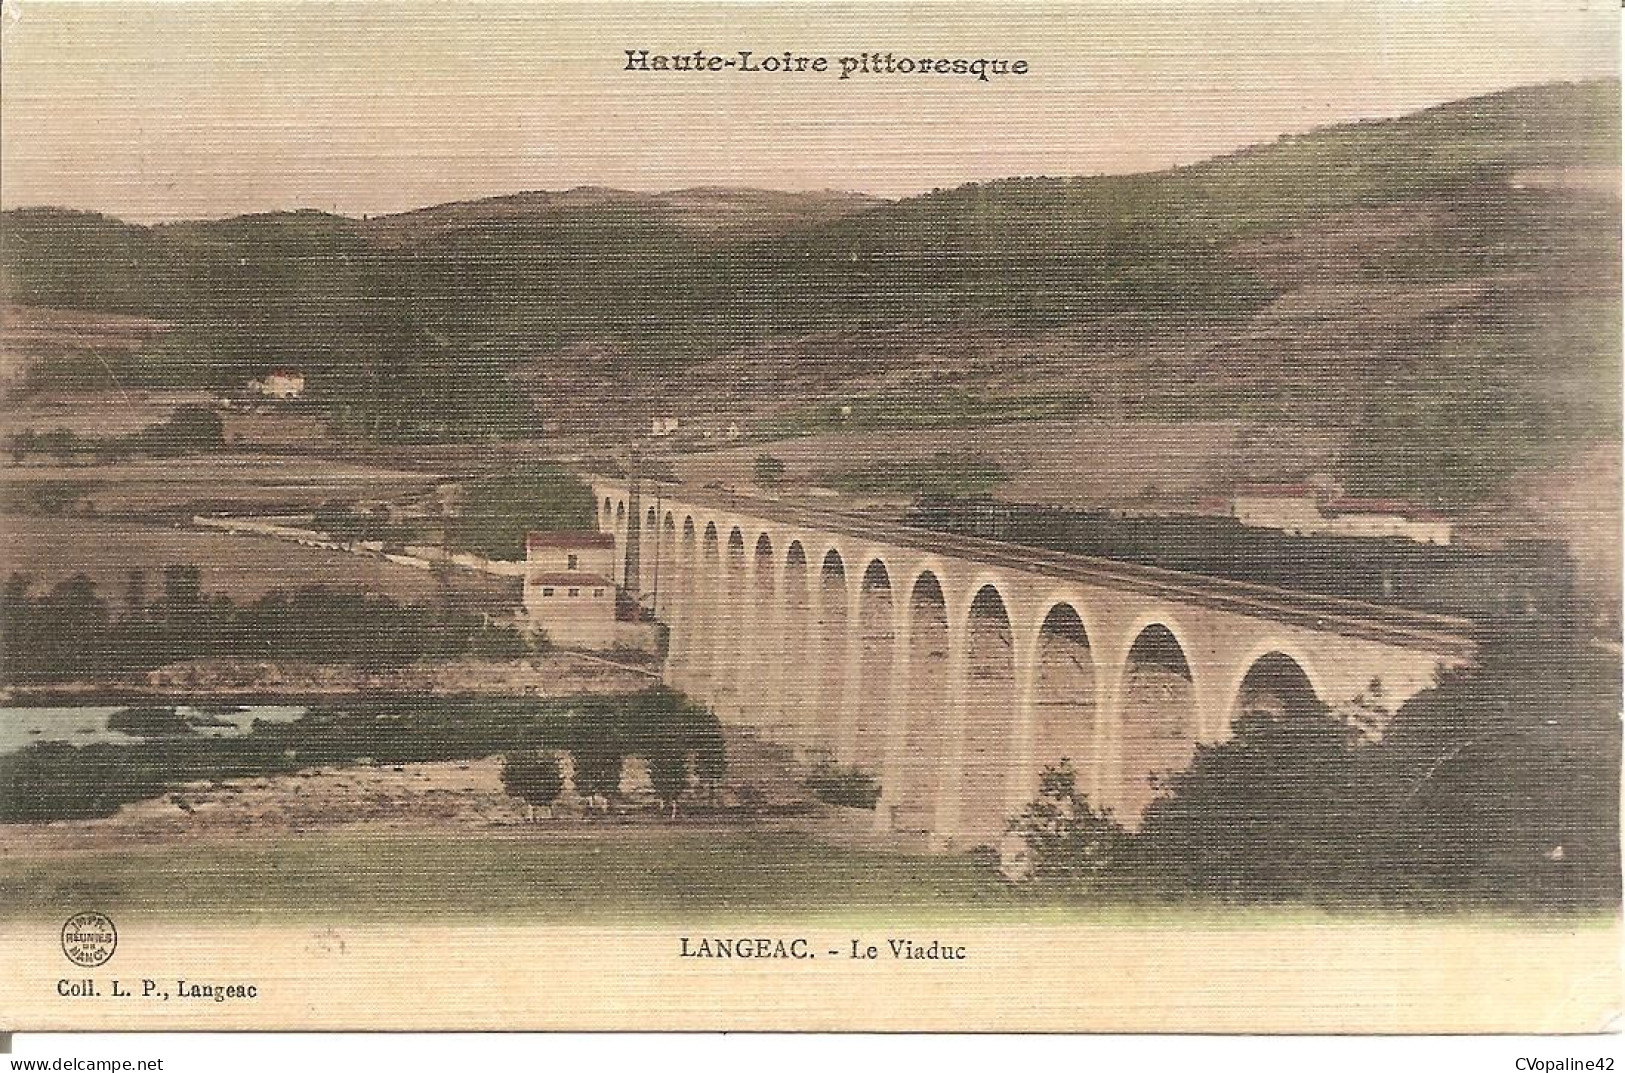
[[48, 550], [613, 875], [211, 483], [609, 876]]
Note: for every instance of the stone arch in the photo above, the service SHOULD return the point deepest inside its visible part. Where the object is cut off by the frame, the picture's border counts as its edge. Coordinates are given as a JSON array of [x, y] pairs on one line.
[[921, 743], [684, 616], [989, 717], [709, 608], [1158, 715], [1065, 699], [666, 581], [797, 647], [728, 661], [620, 513], [876, 636], [650, 519], [758, 675], [763, 552], [1273, 682], [826, 685]]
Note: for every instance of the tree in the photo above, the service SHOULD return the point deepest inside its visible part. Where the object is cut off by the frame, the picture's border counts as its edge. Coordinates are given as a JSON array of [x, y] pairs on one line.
[[674, 735], [534, 778], [710, 757], [769, 470], [668, 771], [1275, 811], [183, 587], [662, 724], [598, 758], [499, 509], [1501, 784], [1068, 840], [189, 428], [135, 591]]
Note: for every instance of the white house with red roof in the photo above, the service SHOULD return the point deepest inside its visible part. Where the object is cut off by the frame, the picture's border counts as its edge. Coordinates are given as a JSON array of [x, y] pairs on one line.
[[1304, 509], [568, 588]]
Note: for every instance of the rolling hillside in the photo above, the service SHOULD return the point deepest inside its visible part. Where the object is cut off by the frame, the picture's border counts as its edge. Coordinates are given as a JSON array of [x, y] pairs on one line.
[[1444, 284]]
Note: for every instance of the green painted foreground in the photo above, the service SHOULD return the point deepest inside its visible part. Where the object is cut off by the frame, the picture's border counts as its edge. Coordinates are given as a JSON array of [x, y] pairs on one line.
[[618, 876], [647, 874]]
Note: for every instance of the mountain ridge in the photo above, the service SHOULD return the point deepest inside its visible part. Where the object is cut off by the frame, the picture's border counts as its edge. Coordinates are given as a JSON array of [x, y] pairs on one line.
[[1456, 248]]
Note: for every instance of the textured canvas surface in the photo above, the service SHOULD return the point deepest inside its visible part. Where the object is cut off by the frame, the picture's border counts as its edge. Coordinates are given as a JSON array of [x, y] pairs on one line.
[[946, 517]]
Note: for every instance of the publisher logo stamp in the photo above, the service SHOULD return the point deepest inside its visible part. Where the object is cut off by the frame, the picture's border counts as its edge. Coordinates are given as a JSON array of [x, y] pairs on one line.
[[89, 939]]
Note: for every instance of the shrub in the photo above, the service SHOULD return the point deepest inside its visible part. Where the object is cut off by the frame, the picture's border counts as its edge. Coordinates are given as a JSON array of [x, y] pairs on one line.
[[149, 722], [843, 786], [1274, 811], [769, 470], [1067, 839]]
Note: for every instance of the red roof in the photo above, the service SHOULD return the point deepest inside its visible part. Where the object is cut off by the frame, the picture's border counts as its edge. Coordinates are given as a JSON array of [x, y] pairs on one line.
[[574, 580], [570, 538]]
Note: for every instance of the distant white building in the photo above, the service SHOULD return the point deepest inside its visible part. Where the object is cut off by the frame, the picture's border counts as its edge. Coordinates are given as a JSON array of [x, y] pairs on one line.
[[664, 426], [1386, 518], [568, 588], [279, 384], [1291, 508], [1302, 509]]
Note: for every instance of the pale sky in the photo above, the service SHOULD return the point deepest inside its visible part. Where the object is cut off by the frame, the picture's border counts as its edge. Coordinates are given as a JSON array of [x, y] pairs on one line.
[[190, 109]]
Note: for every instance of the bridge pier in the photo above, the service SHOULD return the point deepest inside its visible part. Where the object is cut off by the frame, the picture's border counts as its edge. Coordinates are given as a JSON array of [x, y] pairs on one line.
[[894, 774], [950, 781]]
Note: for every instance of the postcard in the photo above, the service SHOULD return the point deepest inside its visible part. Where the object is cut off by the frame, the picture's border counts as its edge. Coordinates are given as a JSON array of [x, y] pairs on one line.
[[958, 516]]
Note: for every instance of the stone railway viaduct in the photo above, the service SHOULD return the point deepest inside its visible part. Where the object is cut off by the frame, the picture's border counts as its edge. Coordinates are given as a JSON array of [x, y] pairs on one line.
[[954, 669]]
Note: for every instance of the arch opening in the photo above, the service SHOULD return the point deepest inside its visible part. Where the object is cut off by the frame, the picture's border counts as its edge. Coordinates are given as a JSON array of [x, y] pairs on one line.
[[666, 581], [729, 664], [827, 675], [990, 717], [708, 610], [1065, 713], [916, 772], [1158, 718], [684, 616], [757, 677], [1276, 686], [797, 650], [764, 563], [876, 640]]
